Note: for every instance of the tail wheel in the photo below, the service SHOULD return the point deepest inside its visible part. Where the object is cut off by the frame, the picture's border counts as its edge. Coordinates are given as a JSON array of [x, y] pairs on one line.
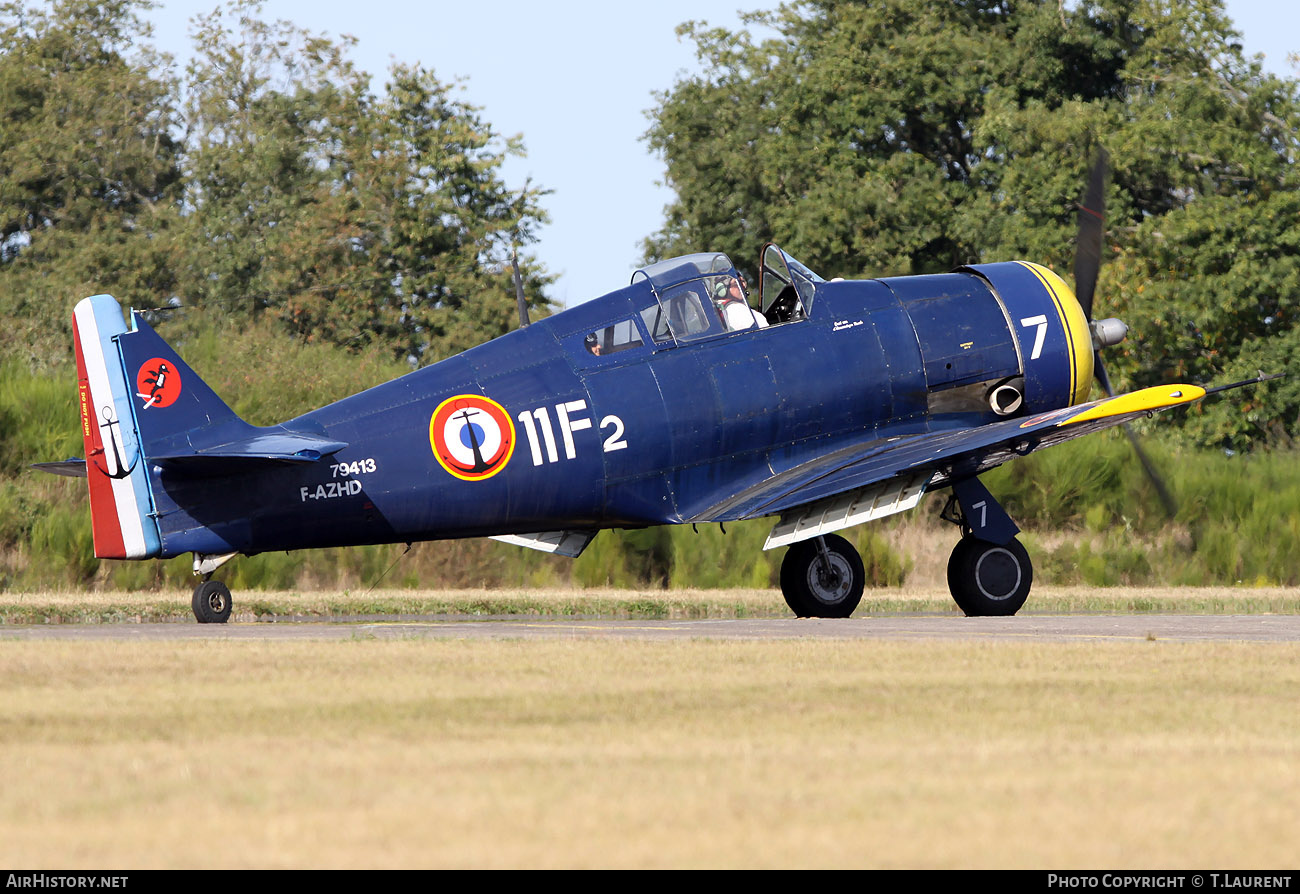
[[822, 579], [988, 579], [211, 602]]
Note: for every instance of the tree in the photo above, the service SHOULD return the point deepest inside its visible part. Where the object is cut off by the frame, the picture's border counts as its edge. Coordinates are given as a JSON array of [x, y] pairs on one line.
[[891, 137], [88, 164], [358, 219]]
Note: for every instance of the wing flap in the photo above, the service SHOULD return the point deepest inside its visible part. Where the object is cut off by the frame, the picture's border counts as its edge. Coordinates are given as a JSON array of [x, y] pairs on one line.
[[561, 543], [864, 504]]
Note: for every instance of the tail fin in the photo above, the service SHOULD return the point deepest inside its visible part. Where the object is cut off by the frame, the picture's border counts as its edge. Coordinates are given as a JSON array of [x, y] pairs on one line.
[[182, 423], [143, 407], [121, 505], [169, 402]]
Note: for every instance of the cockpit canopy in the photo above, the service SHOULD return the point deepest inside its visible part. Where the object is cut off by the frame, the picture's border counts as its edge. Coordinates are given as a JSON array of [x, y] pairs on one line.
[[672, 271], [699, 296], [686, 289], [786, 288]]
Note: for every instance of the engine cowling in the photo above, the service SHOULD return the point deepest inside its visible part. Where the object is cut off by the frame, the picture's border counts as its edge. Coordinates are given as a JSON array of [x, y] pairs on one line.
[[1052, 334]]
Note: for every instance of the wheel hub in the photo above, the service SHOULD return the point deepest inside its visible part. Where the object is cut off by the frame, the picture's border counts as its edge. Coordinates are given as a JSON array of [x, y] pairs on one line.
[[997, 574], [830, 579]]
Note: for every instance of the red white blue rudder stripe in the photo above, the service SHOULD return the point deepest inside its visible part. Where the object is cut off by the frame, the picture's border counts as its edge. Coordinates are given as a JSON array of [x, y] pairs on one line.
[[116, 470]]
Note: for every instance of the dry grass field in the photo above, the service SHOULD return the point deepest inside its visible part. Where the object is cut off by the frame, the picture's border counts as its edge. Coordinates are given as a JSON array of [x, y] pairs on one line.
[[591, 753], [17, 607]]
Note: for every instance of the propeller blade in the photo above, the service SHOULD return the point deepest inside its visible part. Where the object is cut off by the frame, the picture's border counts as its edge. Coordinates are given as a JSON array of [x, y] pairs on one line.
[[1087, 266], [1162, 489], [519, 290], [1092, 225], [1100, 369]]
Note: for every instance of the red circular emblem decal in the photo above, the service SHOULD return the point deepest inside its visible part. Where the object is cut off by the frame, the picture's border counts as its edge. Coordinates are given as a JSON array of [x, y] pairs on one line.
[[472, 436], [157, 384]]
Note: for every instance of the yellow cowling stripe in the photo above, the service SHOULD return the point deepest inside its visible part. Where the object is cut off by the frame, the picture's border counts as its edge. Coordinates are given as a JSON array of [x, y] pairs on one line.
[[1138, 401], [1077, 334]]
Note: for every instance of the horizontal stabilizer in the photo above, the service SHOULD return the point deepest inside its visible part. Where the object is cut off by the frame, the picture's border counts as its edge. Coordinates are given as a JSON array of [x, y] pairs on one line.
[[72, 468], [274, 445]]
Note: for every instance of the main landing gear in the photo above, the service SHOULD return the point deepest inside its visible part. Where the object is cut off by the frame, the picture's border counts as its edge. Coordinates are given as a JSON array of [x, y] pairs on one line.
[[822, 578], [989, 572], [987, 578]]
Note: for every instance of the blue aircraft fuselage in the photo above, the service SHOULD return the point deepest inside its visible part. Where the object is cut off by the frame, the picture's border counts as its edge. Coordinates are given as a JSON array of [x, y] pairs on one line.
[[551, 436]]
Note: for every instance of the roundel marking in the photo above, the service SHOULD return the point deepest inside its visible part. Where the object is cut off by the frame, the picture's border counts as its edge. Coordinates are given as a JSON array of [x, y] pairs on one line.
[[157, 384], [472, 436]]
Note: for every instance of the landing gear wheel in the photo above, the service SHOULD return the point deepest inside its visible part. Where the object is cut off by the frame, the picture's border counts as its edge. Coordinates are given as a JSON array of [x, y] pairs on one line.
[[986, 579], [211, 602], [817, 585]]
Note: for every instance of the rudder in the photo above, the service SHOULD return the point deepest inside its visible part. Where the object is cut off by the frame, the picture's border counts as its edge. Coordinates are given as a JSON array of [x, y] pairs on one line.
[[121, 505]]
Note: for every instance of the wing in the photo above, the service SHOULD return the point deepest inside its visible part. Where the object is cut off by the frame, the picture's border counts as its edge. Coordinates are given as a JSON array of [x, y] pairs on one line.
[[864, 481]]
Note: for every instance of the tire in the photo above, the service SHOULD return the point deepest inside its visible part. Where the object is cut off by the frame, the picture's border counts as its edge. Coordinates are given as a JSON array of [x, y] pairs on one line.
[[811, 589], [211, 602], [988, 580]]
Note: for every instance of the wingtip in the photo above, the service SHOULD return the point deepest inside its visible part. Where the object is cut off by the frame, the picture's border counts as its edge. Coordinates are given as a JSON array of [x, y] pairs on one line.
[[1158, 397]]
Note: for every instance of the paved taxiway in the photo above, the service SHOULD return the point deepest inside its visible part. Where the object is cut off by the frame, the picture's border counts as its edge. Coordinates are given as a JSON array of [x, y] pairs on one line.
[[1040, 628]]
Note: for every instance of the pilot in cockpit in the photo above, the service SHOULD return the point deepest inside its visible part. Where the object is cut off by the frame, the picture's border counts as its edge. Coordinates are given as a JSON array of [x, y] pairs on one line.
[[729, 299]]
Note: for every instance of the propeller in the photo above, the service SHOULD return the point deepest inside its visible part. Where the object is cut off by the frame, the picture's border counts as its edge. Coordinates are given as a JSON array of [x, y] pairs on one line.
[[1092, 227], [1087, 266]]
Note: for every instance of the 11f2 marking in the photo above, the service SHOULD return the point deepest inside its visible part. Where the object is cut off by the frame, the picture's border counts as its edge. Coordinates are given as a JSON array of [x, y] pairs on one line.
[[570, 416]]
